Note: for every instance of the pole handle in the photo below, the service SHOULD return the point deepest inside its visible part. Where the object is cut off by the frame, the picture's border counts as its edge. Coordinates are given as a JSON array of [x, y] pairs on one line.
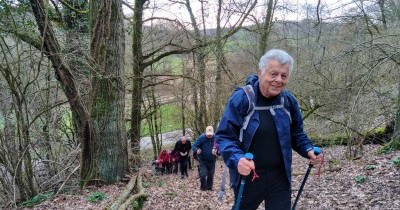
[[317, 150]]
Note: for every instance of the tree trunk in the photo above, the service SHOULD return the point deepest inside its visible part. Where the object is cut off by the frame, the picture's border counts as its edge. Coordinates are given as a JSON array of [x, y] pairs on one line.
[[137, 83], [220, 59], [200, 67], [92, 166], [109, 145], [266, 28], [396, 131]]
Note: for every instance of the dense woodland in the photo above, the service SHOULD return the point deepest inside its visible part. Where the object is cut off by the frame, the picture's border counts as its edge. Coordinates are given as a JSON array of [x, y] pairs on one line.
[[83, 81]]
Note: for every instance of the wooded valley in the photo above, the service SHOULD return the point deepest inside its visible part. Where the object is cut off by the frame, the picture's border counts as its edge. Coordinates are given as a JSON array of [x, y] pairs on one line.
[[82, 82]]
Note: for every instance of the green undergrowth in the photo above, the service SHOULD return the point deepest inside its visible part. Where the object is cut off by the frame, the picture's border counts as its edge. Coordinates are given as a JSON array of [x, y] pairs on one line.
[[39, 198]]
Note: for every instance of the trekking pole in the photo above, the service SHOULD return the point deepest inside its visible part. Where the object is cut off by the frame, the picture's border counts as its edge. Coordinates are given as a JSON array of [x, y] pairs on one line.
[[222, 188], [317, 151], [248, 156]]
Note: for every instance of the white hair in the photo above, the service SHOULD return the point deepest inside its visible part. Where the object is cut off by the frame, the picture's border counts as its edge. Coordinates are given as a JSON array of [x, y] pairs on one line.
[[275, 54]]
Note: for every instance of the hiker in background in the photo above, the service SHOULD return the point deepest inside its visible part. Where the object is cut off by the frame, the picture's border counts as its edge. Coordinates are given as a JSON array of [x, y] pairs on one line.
[[174, 156], [273, 128], [164, 161], [183, 148], [206, 149]]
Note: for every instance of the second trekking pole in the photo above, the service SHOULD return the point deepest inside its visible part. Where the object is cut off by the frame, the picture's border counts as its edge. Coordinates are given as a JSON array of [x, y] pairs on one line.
[[248, 156], [317, 151]]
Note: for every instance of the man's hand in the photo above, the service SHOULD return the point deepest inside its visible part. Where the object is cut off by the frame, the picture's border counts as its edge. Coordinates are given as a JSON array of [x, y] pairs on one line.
[[198, 151], [245, 166], [314, 159]]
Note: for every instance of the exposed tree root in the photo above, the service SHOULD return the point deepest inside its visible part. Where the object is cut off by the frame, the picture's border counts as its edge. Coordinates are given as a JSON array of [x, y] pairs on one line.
[[126, 198]]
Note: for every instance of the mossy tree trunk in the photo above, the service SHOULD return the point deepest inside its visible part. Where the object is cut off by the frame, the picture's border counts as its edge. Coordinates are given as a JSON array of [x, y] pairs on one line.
[[107, 156], [104, 148]]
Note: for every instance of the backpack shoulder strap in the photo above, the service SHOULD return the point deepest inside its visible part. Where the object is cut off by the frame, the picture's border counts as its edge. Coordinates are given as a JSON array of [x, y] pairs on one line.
[[284, 105], [251, 97]]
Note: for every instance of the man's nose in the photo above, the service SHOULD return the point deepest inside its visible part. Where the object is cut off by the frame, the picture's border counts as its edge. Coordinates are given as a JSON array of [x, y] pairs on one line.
[[278, 78]]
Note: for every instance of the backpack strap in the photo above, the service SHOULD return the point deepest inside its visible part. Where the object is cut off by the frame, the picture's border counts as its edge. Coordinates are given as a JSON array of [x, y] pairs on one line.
[[251, 97], [273, 107]]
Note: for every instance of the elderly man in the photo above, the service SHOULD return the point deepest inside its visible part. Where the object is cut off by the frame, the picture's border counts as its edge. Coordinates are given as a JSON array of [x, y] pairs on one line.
[[206, 149], [183, 147], [264, 119]]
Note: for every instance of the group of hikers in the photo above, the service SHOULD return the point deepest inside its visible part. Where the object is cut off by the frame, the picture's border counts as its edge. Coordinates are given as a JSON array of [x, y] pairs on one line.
[[204, 150], [264, 120]]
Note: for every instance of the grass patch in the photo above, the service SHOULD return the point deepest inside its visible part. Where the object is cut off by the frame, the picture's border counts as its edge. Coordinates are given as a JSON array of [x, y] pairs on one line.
[[96, 197], [391, 146], [37, 199], [396, 161], [161, 183], [360, 179], [138, 203]]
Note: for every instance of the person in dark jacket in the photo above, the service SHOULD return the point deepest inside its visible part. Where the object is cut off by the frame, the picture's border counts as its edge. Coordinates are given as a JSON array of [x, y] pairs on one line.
[[206, 149], [269, 132], [183, 147]]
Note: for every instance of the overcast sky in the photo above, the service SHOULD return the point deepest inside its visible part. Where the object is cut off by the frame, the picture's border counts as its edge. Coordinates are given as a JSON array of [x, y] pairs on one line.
[[295, 10]]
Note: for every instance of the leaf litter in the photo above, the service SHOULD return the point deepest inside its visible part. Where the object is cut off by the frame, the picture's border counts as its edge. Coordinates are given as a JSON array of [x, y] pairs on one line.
[[335, 188]]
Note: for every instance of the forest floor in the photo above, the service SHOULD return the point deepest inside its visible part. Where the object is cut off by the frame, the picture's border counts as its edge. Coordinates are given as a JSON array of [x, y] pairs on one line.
[[370, 182]]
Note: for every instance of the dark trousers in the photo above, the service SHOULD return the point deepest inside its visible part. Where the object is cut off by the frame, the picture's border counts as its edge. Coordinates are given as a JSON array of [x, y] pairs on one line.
[[175, 167], [183, 161], [272, 187], [207, 169], [165, 168]]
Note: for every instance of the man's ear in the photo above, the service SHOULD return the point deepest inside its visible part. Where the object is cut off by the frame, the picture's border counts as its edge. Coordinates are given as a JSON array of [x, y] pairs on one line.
[[259, 73]]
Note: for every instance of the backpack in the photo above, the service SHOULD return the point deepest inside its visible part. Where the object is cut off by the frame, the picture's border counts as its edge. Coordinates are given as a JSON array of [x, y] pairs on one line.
[[251, 97]]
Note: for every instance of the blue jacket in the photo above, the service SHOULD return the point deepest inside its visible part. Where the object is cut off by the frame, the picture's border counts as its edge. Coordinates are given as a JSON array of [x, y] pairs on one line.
[[289, 129], [206, 145]]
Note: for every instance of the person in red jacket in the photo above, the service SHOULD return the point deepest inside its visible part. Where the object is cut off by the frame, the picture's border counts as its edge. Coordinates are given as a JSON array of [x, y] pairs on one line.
[[164, 161]]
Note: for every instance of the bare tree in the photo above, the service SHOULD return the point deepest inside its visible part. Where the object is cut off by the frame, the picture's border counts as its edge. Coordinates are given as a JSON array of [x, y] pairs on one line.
[[95, 164]]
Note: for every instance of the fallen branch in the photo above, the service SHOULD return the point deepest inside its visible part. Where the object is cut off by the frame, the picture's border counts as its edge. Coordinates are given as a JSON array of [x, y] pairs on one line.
[[65, 181]]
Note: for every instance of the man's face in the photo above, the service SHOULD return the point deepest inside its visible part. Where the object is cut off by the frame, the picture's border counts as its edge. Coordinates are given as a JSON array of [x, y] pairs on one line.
[[274, 79], [183, 140]]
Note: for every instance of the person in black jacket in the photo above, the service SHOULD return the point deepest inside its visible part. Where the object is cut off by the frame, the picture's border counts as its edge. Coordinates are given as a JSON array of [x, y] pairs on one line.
[[183, 147], [207, 150]]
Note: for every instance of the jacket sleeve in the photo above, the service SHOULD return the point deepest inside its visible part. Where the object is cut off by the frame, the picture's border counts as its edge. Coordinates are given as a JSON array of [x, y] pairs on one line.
[[196, 144], [300, 141], [176, 145], [229, 128]]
